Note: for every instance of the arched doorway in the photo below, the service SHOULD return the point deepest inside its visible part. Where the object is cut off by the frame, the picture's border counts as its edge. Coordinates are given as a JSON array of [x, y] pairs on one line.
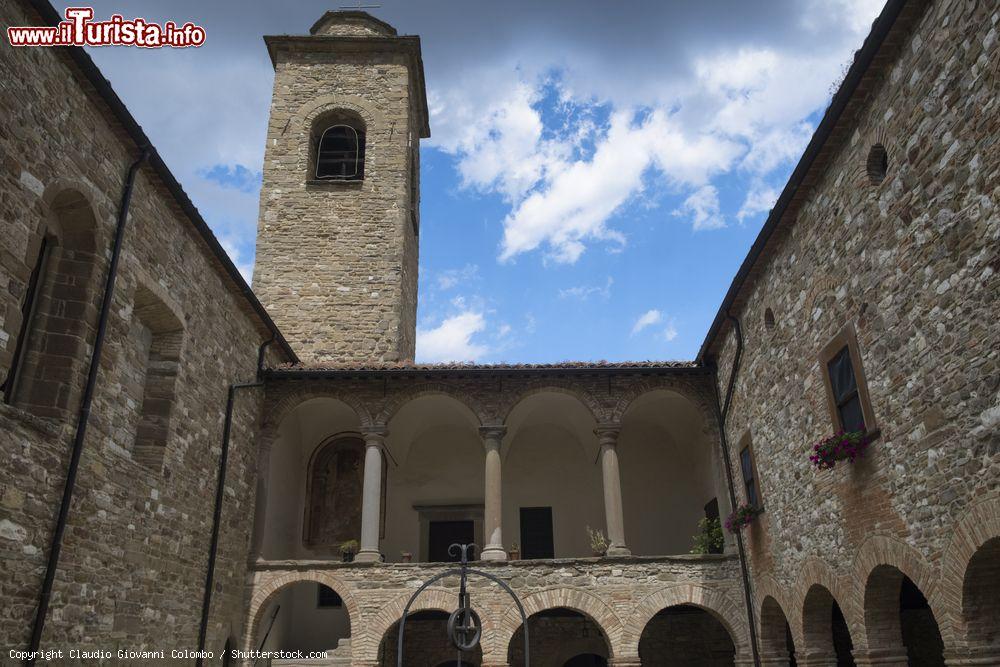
[[824, 629], [557, 637], [981, 600], [776, 645], [305, 616], [899, 620], [686, 635], [426, 643]]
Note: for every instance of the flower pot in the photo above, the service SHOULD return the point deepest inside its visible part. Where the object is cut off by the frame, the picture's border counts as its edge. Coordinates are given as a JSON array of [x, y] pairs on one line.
[[515, 554], [347, 556], [407, 557]]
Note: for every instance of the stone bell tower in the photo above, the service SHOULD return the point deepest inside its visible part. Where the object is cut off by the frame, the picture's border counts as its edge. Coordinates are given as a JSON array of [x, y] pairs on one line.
[[339, 209]]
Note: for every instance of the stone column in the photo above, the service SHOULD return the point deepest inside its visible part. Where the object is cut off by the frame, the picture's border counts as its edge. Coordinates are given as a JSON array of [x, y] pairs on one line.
[[371, 496], [493, 512], [260, 502], [607, 435], [894, 656], [625, 661]]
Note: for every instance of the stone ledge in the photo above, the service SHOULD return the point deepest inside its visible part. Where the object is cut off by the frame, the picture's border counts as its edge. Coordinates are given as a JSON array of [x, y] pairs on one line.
[[41, 425], [261, 565]]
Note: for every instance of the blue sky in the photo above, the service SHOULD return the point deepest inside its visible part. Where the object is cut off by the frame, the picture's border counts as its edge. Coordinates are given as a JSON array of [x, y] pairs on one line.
[[596, 172]]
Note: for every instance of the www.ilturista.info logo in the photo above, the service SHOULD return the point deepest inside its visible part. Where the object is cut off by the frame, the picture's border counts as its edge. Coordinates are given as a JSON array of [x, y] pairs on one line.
[[79, 30]]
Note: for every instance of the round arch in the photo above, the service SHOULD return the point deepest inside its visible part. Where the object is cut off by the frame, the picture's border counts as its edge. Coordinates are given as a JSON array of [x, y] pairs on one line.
[[586, 399], [879, 551], [696, 395], [395, 403], [289, 399], [775, 643], [431, 599], [575, 599], [979, 524], [715, 602], [273, 584], [822, 635]]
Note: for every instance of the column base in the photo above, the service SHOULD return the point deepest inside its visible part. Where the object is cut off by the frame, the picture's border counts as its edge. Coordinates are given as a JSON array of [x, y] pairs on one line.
[[493, 553], [618, 552], [367, 557], [881, 657]]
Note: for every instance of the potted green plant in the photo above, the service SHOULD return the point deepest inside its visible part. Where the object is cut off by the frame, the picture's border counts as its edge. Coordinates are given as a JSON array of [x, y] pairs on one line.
[[708, 539], [347, 550], [514, 552], [598, 543]]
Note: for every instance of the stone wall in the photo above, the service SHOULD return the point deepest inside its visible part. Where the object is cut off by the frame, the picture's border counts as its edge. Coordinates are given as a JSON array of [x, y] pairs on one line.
[[337, 260], [911, 263], [620, 596], [133, 562]]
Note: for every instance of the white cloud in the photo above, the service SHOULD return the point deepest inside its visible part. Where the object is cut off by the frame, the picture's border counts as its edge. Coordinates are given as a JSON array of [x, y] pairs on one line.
[[759, 199], [584, 292], [670, 332], [452, 339], [703, 209], [454, 277], [647, 319]]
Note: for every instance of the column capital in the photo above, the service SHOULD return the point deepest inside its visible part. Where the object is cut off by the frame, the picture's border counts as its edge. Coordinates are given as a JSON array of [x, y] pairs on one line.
[[608, 432], [492, 431], [375, 434]]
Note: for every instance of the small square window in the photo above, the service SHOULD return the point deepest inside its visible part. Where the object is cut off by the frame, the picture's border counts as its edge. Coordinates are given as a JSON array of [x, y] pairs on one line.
[[327, 598]]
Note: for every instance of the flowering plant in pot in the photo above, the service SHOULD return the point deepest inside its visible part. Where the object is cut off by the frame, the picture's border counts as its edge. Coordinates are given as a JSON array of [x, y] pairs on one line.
[[742, 516], [514, 553], [839, 447]]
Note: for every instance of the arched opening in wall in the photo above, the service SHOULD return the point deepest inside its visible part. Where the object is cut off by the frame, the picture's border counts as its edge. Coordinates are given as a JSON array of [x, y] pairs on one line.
[[981, 599], [333, 495], [436, 481], [898, 619], [308, 500], [669, 475], [305, 616], [877, 164], [776, 645], [686, 635], [587, 660], [558, 636], [552, 489], [768, 319], [60, 302], [824, 630], [337, 147], [426, 642]]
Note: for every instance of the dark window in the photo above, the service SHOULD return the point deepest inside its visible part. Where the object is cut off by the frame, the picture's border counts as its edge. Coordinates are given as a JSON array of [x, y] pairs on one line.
[[341, 154], [712, 509], [28, 307], [327, 598], [443, 534], [844, 386], [536, 533], [749, 480]]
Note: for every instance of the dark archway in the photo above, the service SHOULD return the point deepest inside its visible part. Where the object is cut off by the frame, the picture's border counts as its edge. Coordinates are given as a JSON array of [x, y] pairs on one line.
[[558, 636], [686, 635], [425, 643], [981, 599], [824, 629], [587, 660], [899, 620], [776, 645]]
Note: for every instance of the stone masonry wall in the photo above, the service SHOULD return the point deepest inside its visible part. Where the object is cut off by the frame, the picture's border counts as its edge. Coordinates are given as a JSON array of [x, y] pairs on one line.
[[135, 549], [912, 264], [336, 261], [620, 596]]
